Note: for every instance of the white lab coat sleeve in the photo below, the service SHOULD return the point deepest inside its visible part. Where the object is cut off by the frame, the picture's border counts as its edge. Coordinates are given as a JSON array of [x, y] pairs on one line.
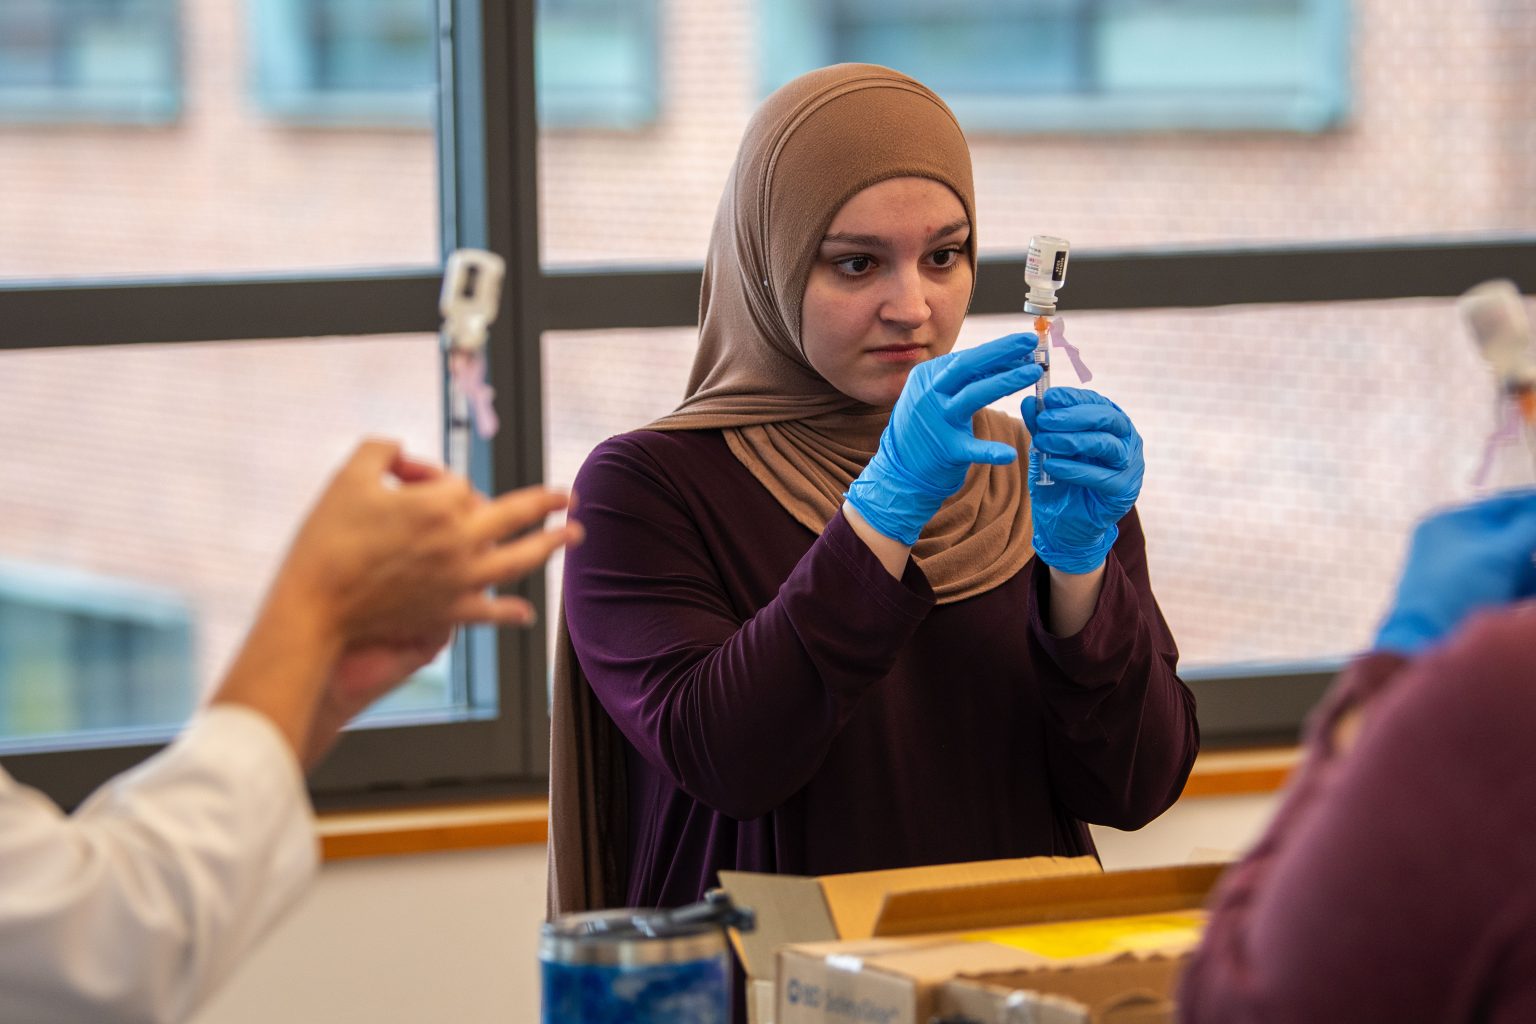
[[136, 906]]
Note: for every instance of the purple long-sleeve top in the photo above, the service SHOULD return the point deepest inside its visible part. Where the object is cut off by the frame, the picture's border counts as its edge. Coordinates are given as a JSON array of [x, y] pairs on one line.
[[792, 707], [1397, 882]]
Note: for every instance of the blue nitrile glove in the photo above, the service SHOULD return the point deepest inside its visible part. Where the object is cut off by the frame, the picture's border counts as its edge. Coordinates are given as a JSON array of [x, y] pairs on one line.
[[928, 446], [1093, 453], [1472, 557]]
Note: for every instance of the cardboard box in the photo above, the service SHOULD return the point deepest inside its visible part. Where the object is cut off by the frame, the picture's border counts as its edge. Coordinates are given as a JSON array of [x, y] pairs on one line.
[[1106, 944], [795, 908]]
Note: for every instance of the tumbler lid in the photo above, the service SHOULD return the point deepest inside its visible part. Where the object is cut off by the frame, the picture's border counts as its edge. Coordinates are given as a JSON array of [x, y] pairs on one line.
[[631, 935]]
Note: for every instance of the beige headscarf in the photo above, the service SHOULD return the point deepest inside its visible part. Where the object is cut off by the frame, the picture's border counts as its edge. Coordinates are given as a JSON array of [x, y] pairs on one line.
[[811, 147]]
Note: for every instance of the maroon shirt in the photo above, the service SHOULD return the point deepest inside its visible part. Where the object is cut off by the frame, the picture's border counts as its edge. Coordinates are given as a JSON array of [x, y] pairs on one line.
[[792, 707], [1398, 879]]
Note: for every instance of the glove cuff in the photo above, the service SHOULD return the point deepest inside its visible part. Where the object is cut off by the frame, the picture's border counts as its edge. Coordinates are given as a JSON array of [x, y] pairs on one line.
[[892, 501], [1077, 560], [899, 514]]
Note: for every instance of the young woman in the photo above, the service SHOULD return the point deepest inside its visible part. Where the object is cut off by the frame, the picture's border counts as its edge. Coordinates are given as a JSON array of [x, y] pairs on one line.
[[825, 619]]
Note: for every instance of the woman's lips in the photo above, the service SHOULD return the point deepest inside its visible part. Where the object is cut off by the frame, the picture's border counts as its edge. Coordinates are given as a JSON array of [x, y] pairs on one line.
[[899, 353]]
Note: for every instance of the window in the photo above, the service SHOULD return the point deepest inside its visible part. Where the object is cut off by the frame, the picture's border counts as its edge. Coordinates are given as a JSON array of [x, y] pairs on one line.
[[82, 653], [1087, 65], [365, 62], [193, 418], [89, 60], [618, 342]]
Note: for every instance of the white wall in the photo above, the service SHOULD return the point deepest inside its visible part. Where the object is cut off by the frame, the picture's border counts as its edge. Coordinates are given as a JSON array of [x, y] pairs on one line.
[[454, 936], [441, 937], [1198, 829]]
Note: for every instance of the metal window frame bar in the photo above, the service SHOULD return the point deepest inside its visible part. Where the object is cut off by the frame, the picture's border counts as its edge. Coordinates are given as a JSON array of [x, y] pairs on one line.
[[401, 301]]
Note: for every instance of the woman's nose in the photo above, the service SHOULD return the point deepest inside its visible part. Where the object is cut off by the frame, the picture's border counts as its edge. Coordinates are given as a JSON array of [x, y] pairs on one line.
[[905, 303]]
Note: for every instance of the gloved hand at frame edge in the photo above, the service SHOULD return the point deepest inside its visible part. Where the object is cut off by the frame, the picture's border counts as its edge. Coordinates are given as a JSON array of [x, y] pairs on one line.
[[1461, 561]]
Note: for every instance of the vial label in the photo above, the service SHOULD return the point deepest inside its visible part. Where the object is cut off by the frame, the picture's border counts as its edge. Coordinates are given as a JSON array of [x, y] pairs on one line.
[[1045, 262]]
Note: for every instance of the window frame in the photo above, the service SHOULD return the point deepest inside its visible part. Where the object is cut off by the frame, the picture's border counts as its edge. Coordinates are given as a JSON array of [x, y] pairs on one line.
[[494, 204], [487, 140]]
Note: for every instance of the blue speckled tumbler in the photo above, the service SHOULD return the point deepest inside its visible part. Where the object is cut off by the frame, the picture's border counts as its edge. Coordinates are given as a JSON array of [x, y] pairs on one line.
[[640, 967]]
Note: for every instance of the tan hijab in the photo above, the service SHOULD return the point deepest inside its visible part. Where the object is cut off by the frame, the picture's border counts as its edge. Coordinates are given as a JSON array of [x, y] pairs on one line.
[[812, 146]]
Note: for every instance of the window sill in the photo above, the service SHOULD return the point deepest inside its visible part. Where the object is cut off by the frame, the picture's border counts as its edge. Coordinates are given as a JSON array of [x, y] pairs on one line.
[[348, 835], [352, 834], [1241, 772]]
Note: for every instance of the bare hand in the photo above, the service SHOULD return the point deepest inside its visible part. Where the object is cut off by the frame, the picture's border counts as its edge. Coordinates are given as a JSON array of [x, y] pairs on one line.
[[385, 562], [393, 556]]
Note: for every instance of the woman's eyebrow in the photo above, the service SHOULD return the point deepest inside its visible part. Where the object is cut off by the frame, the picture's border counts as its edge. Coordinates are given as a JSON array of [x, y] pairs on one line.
[[875, 241], [949, 229]]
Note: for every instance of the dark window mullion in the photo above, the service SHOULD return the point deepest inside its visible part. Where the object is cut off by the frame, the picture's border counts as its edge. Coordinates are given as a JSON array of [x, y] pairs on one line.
[[218, 309]]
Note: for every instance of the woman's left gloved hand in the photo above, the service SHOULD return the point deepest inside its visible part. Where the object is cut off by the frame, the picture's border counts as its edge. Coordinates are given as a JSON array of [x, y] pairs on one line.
[[1093, 454]]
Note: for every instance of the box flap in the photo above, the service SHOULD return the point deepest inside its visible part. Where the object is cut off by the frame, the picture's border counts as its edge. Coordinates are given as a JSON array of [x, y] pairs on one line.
[[1062, 898], [789, 908], [793, 908], [856, 900]]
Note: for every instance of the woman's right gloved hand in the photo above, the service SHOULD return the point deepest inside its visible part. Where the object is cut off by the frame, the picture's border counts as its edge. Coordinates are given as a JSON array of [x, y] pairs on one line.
[[1469, 558], [928, 446]]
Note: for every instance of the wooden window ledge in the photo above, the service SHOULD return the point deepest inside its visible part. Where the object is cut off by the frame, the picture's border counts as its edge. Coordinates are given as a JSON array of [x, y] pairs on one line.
[[430, 829], [351, 834]]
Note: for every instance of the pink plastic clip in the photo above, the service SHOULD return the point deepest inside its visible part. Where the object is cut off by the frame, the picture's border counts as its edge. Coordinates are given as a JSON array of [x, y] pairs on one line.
[[1507, 431], [467, 370], [1059, 340]]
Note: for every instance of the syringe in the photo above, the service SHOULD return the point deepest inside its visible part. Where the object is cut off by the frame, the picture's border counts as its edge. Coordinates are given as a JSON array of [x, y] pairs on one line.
[[469, 301], [1045, 270], [1495, 314]]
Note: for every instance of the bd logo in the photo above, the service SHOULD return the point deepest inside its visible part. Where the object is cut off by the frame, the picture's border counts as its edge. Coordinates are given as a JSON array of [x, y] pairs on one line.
[[797, 993]]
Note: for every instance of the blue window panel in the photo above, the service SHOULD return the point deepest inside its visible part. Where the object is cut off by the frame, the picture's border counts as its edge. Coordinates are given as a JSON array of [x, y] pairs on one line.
[[597, 63], [373, 62], [89, 61], [1088, 65], [82, 653], [362, 62]]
